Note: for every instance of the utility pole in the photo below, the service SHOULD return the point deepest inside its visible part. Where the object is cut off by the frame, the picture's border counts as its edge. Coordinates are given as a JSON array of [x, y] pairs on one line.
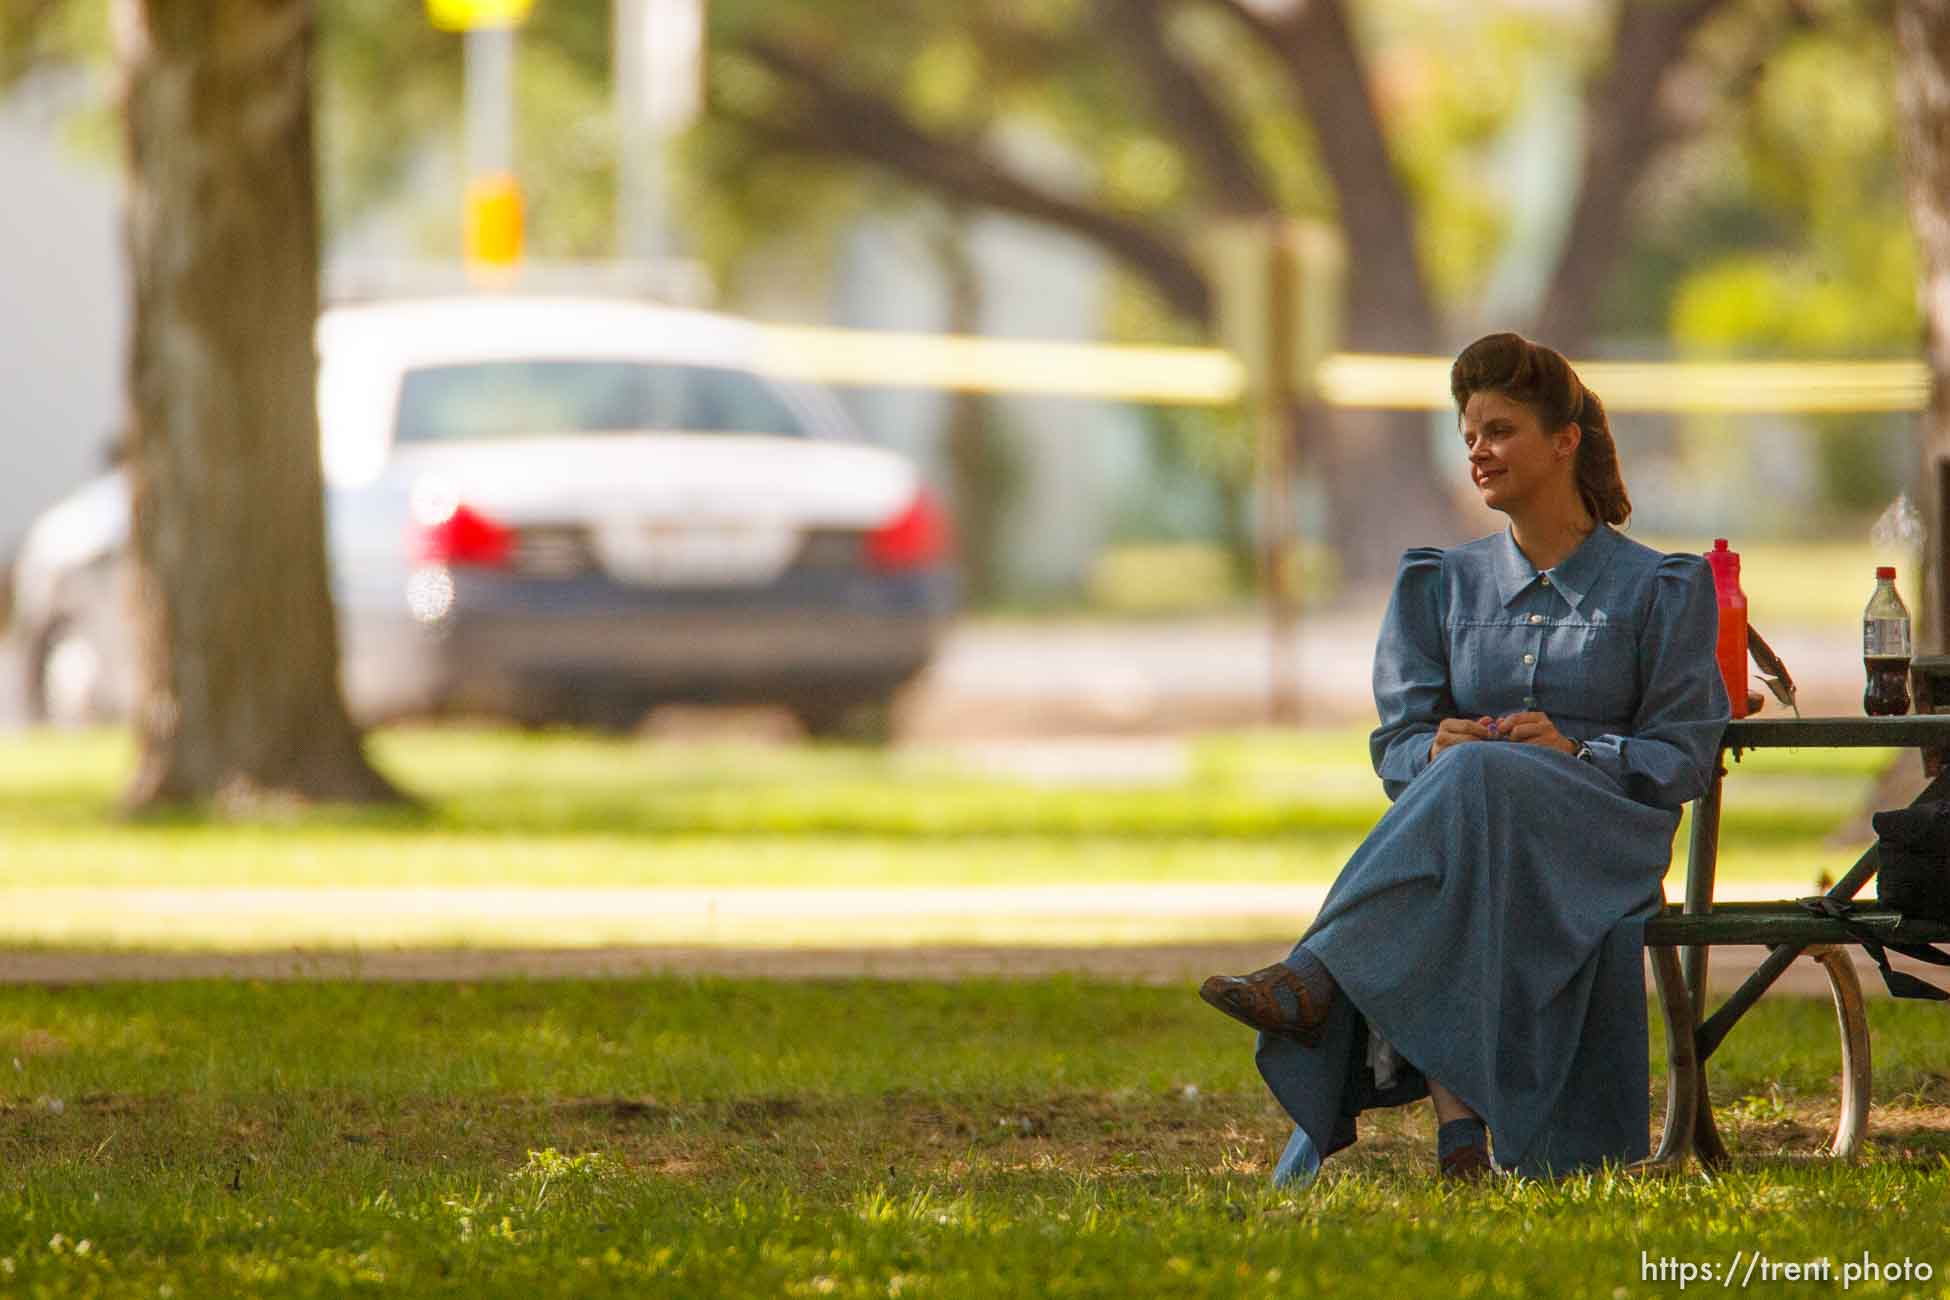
[[658, 60], [1276, 415], [493, 206], [490, 73], [1279, 292]]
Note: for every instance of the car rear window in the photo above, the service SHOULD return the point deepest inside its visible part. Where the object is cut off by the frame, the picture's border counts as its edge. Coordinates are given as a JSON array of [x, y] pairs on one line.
[[512, 399]]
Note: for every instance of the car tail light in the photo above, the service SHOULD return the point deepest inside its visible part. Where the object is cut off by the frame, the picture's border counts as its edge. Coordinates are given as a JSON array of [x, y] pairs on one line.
[[464, 537], [915, 538]]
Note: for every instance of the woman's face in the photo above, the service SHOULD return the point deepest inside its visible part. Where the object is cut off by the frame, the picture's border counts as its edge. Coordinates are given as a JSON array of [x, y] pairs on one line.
[[1511, 458]]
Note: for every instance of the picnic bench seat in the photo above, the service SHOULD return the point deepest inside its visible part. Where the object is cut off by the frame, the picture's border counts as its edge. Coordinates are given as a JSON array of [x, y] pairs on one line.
[[1679, 938]]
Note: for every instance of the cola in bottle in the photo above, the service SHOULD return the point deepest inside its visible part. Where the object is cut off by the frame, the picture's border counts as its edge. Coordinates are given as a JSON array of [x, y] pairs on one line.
[[1885, 649]]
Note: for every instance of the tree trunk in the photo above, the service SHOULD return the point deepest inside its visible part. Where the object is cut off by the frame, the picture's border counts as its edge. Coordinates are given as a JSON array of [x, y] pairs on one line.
[[1923, 104], [239, 698], [1624, 130]]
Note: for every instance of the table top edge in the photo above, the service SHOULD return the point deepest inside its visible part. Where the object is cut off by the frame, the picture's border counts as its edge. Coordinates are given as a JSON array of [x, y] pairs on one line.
[[1902, 732]]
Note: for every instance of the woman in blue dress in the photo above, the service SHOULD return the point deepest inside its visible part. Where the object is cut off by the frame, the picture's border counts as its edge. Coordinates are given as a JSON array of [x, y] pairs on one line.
[[1549, 700]]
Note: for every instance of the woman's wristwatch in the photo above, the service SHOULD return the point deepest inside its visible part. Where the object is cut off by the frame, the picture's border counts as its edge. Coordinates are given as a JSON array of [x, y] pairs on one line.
[[1584, 754]]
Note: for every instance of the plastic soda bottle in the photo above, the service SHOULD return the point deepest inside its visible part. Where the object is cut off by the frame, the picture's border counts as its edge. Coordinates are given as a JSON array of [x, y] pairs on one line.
[[1885, 649], [1732, 648]]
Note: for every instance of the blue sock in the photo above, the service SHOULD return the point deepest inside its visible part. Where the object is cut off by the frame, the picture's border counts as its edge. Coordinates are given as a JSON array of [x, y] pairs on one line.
[[1459, 1133], [1313, 973]]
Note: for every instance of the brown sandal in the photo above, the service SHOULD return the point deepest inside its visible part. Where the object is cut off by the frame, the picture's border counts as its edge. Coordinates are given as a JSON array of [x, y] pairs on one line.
[[1272, 1000]]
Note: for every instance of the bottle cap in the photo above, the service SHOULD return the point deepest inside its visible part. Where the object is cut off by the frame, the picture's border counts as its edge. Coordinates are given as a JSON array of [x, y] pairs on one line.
[[1885, 571], [1719, 543]]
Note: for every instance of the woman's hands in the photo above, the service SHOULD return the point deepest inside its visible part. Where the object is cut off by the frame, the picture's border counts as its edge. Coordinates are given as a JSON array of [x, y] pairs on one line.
[[1524, 728], [1456, 731], [1535, 729]]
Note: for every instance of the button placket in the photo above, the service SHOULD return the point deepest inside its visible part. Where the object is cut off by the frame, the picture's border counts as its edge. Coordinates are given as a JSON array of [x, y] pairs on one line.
[[1536, 622]]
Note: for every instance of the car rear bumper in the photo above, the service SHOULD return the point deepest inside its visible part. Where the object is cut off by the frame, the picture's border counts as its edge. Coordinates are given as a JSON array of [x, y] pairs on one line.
[[520, 647]]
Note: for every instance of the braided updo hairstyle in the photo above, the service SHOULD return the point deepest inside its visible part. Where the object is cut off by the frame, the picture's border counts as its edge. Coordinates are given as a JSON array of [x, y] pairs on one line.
[[1543, 380]]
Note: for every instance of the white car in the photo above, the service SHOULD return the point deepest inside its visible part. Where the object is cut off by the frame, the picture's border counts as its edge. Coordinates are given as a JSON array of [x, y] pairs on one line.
[[560, 510]]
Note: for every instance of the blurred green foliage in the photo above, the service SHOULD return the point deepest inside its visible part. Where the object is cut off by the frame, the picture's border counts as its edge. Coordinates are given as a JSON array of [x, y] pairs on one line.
[[34, 33], [1453, 81], [1773, 226], [1777, 229], [1813, 257], [1821, 267]]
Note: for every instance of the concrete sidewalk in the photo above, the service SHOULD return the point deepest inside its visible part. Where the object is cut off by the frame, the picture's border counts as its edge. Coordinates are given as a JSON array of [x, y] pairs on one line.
[[1081, 676], [1164, 964], [792, 916], [1159, 933]]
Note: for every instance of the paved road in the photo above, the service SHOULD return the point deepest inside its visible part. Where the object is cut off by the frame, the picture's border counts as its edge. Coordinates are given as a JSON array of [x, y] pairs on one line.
[[1095, 676], [1092, 676], [377, 924]]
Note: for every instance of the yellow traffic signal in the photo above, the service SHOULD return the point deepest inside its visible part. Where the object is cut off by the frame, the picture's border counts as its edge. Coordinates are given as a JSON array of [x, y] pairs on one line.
[[494, 220], [466, 15]]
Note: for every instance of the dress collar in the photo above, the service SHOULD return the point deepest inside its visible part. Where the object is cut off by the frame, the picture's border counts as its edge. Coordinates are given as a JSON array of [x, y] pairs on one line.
[[1573, 576]]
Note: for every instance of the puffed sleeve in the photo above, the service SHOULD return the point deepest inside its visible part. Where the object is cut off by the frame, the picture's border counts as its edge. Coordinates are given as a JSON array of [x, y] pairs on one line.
[[1411, 672], [1668, 757]]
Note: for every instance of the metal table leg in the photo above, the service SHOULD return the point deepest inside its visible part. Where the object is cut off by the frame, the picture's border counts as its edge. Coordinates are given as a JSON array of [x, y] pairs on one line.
[[1843, 984], [1852, 1121], [1682, 1063], [1702, 1137], [1702, 863]]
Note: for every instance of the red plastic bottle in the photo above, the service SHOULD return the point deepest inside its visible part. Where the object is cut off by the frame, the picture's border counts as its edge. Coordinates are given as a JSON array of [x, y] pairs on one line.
[[1732, 648]]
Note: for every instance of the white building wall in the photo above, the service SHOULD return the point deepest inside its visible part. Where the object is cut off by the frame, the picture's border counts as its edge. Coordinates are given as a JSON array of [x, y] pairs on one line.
[[63, 312]]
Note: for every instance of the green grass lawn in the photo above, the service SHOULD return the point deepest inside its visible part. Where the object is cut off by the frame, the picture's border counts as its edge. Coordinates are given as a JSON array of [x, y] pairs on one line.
[[700, 1138], [512, 811]]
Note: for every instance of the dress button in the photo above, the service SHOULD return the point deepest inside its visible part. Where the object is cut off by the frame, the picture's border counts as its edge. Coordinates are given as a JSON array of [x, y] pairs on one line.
[[1530, 659], [1546, 579], [1536, 618]]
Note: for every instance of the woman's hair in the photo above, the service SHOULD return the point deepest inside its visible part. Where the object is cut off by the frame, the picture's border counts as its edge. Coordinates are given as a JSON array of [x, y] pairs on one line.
[[1543, 380]]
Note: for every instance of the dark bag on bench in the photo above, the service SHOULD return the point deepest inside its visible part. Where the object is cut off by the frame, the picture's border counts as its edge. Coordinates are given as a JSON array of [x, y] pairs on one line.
[[1913, 878], [1913, 845]]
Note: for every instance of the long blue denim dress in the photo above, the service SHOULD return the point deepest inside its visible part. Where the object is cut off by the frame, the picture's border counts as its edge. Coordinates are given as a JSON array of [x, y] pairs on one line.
[[1491, 926]]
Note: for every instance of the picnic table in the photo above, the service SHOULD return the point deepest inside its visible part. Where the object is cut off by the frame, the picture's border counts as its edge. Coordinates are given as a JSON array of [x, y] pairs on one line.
[[1679, 939]]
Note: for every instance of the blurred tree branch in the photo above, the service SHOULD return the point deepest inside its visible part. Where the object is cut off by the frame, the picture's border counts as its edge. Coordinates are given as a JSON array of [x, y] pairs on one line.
[[1626, 125], [1208, 77], [1028, 54], [1389, 307], [1194, 115], [844, 121]]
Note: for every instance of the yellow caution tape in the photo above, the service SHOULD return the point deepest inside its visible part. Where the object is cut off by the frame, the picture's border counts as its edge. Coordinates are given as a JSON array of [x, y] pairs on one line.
[[1187, 376]]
